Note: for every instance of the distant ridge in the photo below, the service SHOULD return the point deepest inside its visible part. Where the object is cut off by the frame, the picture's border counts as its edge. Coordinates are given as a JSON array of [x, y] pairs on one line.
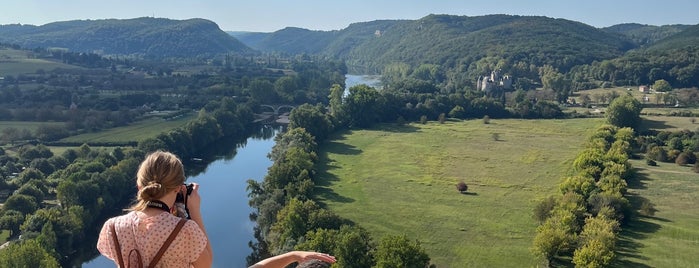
[[144, 37]]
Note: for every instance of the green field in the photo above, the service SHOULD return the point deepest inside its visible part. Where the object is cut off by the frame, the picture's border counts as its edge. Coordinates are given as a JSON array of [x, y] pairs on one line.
[[395, 180], [14, 62], [670, 238], [669, 123], [138, 131], [21, 125]]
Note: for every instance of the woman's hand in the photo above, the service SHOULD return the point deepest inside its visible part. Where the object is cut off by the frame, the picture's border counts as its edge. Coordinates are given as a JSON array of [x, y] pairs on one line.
[[194, 199]]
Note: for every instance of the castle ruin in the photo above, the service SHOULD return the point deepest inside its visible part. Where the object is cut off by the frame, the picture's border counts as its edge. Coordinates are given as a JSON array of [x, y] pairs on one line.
[[494, 82]]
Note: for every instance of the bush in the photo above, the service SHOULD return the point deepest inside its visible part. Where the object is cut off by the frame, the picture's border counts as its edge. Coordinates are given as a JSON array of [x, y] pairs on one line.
[[423, 119], [543, 209], [462, 187], [486, 119], [647, 208], [651, 162], [400, 121], [683, 158], [695, 168], [442, 118]]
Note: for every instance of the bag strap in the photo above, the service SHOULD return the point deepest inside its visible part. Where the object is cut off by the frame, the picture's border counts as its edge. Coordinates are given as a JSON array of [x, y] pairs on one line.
[[167, 243], [120, 259]]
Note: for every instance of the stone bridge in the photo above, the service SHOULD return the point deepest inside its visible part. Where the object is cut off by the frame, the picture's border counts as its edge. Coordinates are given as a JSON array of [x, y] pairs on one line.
[[277, 107]]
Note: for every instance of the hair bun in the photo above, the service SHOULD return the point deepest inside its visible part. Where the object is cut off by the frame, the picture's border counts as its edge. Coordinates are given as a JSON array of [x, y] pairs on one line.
[[154, 190]]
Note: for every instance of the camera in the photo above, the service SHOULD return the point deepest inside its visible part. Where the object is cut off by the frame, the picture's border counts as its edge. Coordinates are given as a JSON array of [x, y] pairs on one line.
[[181, 202], [182, 198]]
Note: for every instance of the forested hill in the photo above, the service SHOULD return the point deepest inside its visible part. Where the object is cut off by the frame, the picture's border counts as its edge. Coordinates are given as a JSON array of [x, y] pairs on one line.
[[147, 37], [643, 34], [452, 41], [686, 39]]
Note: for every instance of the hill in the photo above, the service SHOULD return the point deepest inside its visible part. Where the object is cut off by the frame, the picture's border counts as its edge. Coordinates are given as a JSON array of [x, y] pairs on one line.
[[644, 35], [147, 37], [689, 37], [455, 42]]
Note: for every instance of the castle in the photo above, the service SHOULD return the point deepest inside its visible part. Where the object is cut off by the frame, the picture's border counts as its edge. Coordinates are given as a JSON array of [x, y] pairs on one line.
[[493, 82]]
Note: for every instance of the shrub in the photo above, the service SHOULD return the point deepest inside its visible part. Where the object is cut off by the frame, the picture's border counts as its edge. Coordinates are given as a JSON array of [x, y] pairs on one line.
[[462, 187], [647, 208], [423, 119], [651, 162], [486, 119], [695, 168], [543, 209], [657, 153], [683, 158], [442, 118], [400, 121]]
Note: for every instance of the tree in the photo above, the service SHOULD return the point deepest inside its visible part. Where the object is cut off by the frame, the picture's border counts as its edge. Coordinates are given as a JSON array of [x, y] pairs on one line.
[[662, 86], [457, 112], [624, 111], [11, 220], [22, 203], [27, 253], [400, 252], [362, 106], [313, 119]]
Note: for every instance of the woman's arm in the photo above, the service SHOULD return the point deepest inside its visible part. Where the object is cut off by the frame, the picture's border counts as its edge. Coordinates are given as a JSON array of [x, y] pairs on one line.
[[281, 261]]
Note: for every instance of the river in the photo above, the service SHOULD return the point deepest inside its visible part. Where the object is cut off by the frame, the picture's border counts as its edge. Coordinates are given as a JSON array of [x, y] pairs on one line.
[[225, 202], [224, 196], [357, 79]]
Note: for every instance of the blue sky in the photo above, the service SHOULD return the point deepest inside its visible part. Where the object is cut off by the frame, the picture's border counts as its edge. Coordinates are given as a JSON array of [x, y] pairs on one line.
[[272, 15]]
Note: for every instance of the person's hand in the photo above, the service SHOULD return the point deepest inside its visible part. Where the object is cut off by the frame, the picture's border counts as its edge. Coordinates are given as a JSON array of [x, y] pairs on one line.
[[308, 255], [194, 199]]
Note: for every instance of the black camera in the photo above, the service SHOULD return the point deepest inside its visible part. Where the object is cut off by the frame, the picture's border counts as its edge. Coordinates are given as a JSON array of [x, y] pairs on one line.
[[181, 202], [182, 198]]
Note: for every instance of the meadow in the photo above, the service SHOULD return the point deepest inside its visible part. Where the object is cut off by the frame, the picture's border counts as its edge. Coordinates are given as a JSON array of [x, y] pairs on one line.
[[402, 179], [670, 237], [29, 126], [15, 62], [147, 128]]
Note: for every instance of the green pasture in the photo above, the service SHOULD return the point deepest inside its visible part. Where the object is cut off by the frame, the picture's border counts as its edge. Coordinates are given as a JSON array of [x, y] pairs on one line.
[[402, 179], [669, 123], [138, 131], [670, 238], [21, 125], [14, 62]]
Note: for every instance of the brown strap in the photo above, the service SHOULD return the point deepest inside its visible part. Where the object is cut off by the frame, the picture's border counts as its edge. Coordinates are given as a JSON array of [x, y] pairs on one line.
[[120, 259], [167, 243]]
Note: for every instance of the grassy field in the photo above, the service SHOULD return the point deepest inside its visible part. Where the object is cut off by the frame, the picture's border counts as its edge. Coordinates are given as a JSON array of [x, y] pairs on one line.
[[135, 132], [21, 125], [670, 238], [395, 180], [669, 123], [14, 62]]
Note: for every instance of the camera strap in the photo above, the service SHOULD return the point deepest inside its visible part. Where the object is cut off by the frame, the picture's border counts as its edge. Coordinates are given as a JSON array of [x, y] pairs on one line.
[[159, 205]]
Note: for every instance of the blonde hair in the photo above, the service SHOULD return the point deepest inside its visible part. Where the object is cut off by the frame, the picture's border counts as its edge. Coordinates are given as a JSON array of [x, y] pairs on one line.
[[160, 173]]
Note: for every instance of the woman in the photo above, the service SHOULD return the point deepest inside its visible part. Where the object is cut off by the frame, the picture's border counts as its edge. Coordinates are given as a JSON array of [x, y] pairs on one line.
[[143, 231]]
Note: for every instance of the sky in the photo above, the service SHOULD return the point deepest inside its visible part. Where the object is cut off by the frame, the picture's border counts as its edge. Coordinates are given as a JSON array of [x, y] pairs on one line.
[[272, 15]]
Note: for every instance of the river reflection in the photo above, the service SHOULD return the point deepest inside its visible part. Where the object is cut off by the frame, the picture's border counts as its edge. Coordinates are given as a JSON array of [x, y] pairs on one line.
[[224, 196]]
